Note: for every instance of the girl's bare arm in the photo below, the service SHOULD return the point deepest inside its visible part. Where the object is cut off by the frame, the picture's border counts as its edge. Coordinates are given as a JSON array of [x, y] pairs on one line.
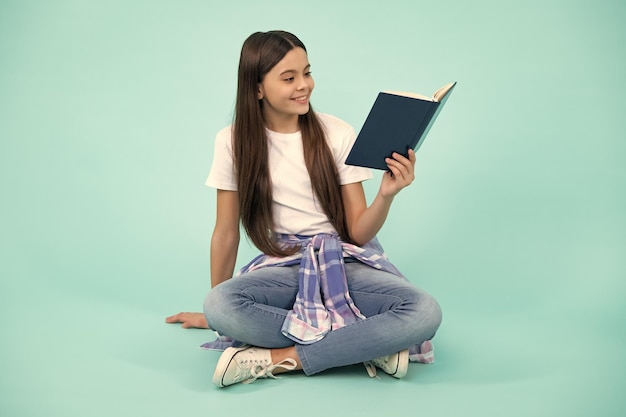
[[224, 246], [365, 222]]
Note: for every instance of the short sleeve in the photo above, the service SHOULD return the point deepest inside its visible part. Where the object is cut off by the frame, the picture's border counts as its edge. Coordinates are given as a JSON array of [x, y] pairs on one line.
[[341, 137], [222, 173]]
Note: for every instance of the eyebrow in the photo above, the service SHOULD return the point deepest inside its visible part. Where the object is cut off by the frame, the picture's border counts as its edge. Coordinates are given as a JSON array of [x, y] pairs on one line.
[[292, 70]]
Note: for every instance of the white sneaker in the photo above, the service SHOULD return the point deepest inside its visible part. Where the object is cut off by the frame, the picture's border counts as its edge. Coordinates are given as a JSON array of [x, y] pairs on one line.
[[395, 365], [245, 364]]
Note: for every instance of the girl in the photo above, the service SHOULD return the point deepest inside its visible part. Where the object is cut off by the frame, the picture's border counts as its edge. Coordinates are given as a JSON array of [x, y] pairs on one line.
[[322, 294]]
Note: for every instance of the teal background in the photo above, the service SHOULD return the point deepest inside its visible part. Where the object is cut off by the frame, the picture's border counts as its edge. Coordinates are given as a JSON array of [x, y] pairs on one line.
[[516, 221]]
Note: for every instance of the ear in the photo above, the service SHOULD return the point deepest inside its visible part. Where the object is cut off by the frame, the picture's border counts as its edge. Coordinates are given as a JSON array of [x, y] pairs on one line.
[[259, 93]]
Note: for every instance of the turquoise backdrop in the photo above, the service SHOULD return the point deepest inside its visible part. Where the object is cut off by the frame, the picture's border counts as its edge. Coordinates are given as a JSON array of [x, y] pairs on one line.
[[516, 222]]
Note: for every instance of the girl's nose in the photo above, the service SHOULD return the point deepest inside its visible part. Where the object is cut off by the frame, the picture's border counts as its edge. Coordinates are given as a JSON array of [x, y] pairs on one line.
[[302, 83]]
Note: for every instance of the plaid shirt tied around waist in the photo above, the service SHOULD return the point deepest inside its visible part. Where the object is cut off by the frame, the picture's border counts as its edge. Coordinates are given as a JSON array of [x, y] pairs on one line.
[[323, 302]]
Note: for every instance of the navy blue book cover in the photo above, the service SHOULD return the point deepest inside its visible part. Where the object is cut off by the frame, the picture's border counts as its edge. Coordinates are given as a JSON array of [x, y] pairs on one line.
[[394, 124]]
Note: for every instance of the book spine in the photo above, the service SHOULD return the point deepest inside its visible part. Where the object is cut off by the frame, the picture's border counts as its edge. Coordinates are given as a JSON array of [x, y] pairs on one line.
[[427, 122]]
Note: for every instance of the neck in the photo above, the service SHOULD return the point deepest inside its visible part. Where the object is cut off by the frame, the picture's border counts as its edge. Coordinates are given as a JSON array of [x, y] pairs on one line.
[[282, 124]]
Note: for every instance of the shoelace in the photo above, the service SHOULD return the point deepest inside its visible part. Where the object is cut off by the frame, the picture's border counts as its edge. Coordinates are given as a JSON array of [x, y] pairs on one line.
[[370, 368], [382, 362], [265, 370]]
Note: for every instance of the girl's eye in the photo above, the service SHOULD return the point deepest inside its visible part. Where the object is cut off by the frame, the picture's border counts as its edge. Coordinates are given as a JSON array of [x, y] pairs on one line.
[[289, 79], [307, 74]]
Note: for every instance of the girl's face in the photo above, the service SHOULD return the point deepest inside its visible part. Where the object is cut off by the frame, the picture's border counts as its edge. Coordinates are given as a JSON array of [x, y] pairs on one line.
[[286, 90]]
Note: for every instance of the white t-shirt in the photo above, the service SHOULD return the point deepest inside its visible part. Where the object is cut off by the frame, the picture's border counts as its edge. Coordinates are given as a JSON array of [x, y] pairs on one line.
[[294, 203]]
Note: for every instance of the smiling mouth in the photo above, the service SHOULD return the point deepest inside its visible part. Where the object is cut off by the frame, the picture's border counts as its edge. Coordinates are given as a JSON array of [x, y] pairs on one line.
[[302, 99]]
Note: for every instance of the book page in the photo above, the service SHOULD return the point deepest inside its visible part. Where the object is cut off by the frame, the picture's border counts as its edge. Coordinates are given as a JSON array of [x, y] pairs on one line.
[[438, 96], [441, 93], [412, 95]]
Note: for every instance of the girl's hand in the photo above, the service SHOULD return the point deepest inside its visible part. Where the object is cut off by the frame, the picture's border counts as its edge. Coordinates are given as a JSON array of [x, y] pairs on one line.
[[189, 320], [401, 173]]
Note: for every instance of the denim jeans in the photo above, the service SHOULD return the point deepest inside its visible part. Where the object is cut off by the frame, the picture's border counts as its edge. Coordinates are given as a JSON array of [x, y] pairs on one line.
[[251, 308]]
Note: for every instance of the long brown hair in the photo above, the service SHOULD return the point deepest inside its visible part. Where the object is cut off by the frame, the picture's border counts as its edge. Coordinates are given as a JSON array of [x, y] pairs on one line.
[[259, 54]]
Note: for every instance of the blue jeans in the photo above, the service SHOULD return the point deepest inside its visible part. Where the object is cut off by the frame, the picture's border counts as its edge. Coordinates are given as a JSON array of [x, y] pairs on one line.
[[251, 308]]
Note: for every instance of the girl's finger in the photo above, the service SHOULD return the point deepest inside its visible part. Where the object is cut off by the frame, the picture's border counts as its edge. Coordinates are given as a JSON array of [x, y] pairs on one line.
[[401, 166], [412, 156]]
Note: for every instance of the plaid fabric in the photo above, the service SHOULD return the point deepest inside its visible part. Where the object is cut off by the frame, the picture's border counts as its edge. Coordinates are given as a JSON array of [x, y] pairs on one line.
[[323, 302]]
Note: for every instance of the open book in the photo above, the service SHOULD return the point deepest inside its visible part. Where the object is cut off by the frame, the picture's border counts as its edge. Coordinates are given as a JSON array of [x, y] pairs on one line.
[[397, 122]]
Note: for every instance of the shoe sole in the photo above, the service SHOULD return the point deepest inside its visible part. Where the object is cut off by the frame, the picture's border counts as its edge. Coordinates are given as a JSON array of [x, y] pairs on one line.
[[223, 363], [402, 365]]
